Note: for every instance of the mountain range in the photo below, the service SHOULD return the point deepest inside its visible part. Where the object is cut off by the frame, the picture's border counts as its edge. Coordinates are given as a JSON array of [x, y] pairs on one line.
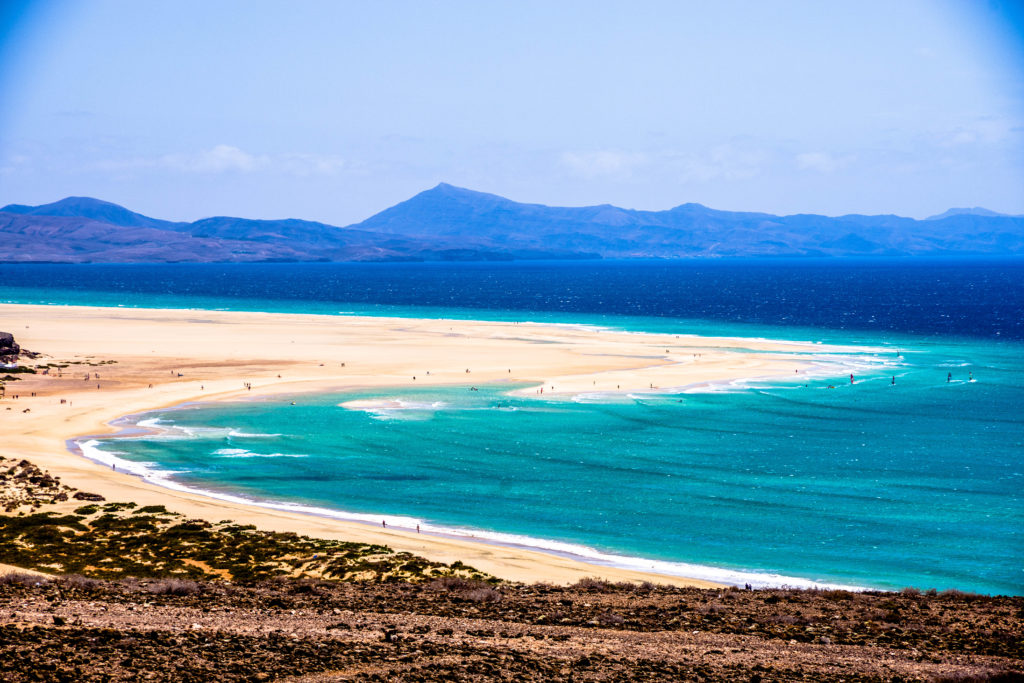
[[449, 223]]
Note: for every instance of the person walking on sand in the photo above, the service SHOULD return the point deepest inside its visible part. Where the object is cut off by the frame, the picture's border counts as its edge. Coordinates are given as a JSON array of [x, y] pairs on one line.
[[384, 523]]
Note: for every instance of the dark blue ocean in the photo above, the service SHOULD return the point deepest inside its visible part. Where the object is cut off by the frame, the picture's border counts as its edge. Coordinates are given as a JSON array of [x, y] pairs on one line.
[[875, 484], [975, 297]]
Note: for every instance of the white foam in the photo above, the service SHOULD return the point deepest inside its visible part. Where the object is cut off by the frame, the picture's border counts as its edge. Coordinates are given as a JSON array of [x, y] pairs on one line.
[[250, 454], [740, 341], [599, 397], [169, 430], [395, 408], [820, 367], [683, 569], [389, 404], [146, 471]]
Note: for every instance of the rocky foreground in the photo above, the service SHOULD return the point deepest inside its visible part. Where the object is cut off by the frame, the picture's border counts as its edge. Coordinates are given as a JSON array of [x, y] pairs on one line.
[[77, 629], [145, 594]]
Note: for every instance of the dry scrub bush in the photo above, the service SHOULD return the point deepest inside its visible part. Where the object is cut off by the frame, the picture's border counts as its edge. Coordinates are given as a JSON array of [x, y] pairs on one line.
[[80, 582], [175, 587], [22, 579], [591, 584], [482, 595]]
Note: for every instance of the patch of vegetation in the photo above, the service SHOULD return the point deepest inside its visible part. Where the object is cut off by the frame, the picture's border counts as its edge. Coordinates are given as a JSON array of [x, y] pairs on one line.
[[116, 540], [117, 507], [21, 369], [169, 545], [151, 510]]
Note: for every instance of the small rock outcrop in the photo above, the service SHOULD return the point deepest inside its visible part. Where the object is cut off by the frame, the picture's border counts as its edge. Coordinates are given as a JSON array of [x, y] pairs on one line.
[[9, 349]]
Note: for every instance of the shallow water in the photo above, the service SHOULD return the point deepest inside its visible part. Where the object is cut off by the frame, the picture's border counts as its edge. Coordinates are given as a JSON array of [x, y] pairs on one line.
[[871, 484], [874, 484]]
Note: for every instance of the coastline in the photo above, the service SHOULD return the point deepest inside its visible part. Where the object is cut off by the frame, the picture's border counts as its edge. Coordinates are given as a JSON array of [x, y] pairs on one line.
[[705, 575], [166, 358]]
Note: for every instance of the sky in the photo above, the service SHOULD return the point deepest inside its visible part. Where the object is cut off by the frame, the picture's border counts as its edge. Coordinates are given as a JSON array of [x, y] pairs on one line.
[[332, 111]]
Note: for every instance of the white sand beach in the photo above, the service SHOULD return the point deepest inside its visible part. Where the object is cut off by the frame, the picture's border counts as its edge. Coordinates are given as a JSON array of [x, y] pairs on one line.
[[124, 361]]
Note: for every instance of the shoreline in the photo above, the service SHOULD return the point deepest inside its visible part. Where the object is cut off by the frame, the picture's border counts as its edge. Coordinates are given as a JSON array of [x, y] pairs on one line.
[[88, 447], [206, 344]]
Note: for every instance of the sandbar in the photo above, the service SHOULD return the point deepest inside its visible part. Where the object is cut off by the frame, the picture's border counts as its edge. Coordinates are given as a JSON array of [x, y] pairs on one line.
[[124, 361]]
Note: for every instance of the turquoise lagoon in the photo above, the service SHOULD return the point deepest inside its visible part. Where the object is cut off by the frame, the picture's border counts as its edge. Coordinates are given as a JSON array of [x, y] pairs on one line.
[[873, 484], [878, 485]]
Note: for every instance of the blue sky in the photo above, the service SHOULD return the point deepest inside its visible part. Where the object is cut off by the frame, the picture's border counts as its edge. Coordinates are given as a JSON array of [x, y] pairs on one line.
[[333, 111]]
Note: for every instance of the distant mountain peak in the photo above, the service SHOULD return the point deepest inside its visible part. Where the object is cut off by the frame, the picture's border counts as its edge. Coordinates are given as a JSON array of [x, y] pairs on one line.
[[66, 204], [449, 190], [971, 211], [448, 222], [91, 208]]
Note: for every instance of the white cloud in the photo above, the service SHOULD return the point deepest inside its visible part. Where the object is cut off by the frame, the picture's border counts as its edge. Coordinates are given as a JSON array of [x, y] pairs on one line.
[[735, 160], [312, 164], [602, 163], [217, 159], [822, 162], [982, 131], [229, 159], [14, 163], [729, 161]]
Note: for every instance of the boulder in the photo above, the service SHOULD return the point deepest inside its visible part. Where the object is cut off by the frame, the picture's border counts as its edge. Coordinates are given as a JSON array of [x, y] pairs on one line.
[[9, 349]]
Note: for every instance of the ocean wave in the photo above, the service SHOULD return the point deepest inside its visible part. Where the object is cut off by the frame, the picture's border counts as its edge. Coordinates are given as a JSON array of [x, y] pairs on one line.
[[395, 408], [584, 553], [169, 430], [371, 404], [91, 449], [147, 470], [599, 397], [242, 453]]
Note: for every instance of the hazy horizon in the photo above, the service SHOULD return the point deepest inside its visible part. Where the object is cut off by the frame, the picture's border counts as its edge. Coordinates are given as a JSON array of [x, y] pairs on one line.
[[954, 209], [333, 112]]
